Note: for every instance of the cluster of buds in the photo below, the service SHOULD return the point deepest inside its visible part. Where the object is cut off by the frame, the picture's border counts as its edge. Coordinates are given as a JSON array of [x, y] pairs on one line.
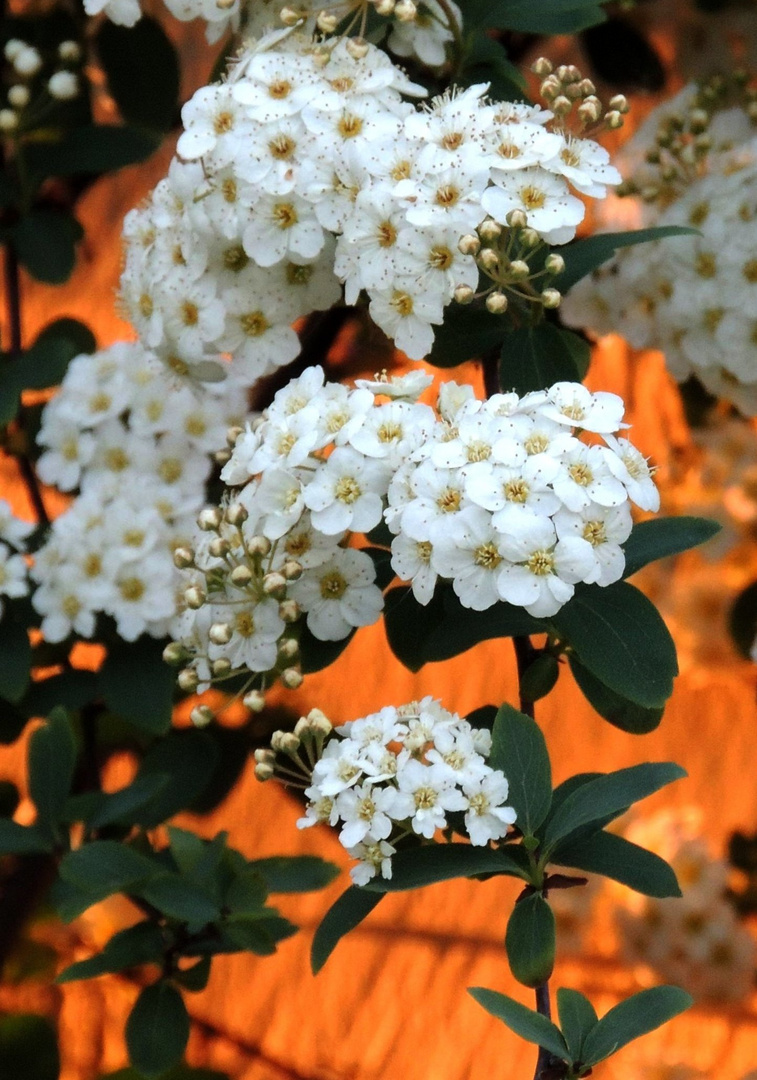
[[572, 97], [283, 759], [24, 106]]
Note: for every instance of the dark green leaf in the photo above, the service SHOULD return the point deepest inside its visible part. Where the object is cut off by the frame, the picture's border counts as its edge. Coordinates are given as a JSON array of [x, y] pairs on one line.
[[52, 759], [382, 560], [45, 363], [103, 867], [519, 750], [232, 746], [93, 148], [69, 900], [632, 1018], [540, 677], [179, 899], [577, 1018], [467, 332], [530, 940], [256, 935], [535, 357], [294, 873], [138, 685], [486, 61], [142, 70], [624, 57], [742, 620], [10, 392], [15, 661], [181, 1072], [194, 978], [624, 714], [350, 909], [140, 944], [187, 849], [72, 689], [188, 757], [619, 859], [656, 539], [12, 722], [417, 867], [9, 799], [46, 241], [124, 806], [530, 1025], [247, 894], [579, 348], [157, 1029], [608, 794], [547, 17], [316, 654], [443, 628], [618, 634], [28, 1048], [18, 839], [583, 256]]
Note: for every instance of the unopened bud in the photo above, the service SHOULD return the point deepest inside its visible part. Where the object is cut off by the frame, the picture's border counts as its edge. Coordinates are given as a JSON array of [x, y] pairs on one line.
[[194, 597], [18, 96], [222, 457], [225, 5], [289, 610], [254, 700], [236, 514], [589, 112], [519, 269], [263, 753], [183, 558], [542, 67], [469, 244], [405, 11], [326, 23], [614, 120], [517, 219], [70, 51], [688, 155], [274, 584], [320, 722], [587, 88], [8, 120], [210, 519], [233, 434], [221, 667], [174, 653], [188, 680], [489, 259], [285, 742], [551, 298], [292, 678], [201, 716], [550, 88], [496, 303], [259, 545], [218, 547], [292, 570], [752, 110], [619, 103], [529, 238], [357, 48], [289, 16], [384, 7], [489, 230], [554, 263], [289, 649], [241, 576], [220, 633], [264, 771], [562, 105], [464, 294]]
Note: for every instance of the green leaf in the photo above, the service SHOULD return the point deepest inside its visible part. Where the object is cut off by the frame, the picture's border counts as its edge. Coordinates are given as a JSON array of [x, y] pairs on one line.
[[619, 859], [157, 1029], [577, 1018], [742, 621], [140, 944], [486, 61], [294, 873], [124, 806], [519, 750], [416, 867], [540, 677], [91, 148], [180, 1072], [443, 628], [138, 685], [530, 940], [46, 242], [258, 935], [632, 1018], [72, 689], [546, 17], [188, 757], [535, 357], [247, 894], [624, 714], [15, 660], [618, 634], [18, 839], [468, 331], [583, 256], [9, 799], [104, 867], [315, 655], [178, 898], [12, 720], [142, 70], [656, 539], [46, 362], [69, 900], [350, 909], [52, 760], [194, 978], [608, 794], [530, 1025], [28, 1048]]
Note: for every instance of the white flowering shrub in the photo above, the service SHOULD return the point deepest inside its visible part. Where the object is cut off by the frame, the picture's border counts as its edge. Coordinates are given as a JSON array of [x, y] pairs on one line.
[[694, 164]]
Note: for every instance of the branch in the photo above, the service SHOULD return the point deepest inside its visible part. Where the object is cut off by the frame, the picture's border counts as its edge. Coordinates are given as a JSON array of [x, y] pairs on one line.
[[543, 1006]]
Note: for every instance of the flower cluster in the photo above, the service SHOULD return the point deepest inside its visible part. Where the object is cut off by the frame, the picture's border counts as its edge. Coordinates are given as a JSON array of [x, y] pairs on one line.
[[26, 97], [396, 773], [13, 568], [138, 448], [306, 171], [503, 498], [694, 297], [696, 942]]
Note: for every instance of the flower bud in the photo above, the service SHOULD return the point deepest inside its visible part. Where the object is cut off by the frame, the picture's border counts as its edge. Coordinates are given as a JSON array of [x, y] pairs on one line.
[[289, 649], [8, 120], [220, 633], [614, 120], [542, 67], [218, 547], [264, 771], [384, 7], [320, 722], [263, 753], [233, 434], [519, 269], [194, 597], [183, 558], [236, 514], [326, 23], [289, 16], [63, 85], [69, 51], [529, 238], [241, 576], [221, 457], [357, 48], [405, 11], [12, 48], [554, 263], [589, 112], [210, 519], [292, 570], [496, 303], [174, 653], [259, 545], [619, 103], [489, 230], [285, 742], [489, 259], [464, 294], [254, 700], [550, 88], [18, 96], [551, 298], [221, 667], [588, 89], [27, 62], [188, 680], [275, 584], [517, 219], [201, 716], [469, 244], [292, 678], [289, 610], [562, 105]]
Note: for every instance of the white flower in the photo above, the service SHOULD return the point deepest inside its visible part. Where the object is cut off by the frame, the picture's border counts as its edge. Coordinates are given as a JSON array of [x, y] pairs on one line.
[[256, 630], [364, 810], [411, 559], [605, 528], [546, 571], [345, 493], [339, 595], [550, 208], [373, 858], [632, 469], [13, 571], [424, 796], [13, 530], [408, 387], [486, 818], [574, 405]]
